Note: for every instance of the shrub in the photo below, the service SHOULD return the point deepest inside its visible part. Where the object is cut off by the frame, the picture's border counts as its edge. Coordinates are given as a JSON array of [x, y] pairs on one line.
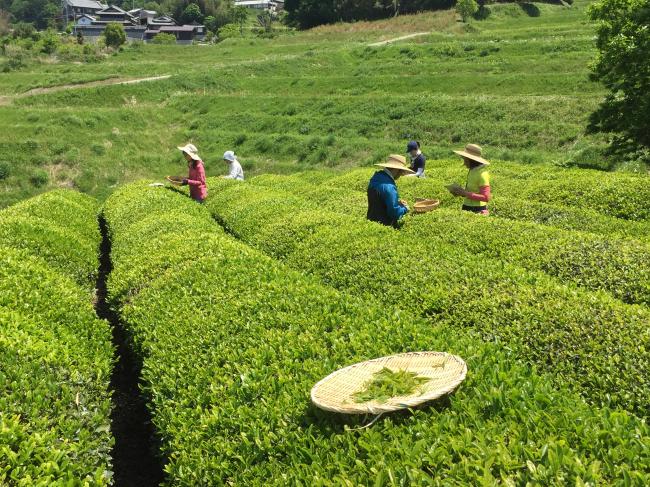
[[232, 342], [466, 8], [114, 35], [228, 31], [164, 38], [56, 355], [39, 178], [5, 170], [51, 42]]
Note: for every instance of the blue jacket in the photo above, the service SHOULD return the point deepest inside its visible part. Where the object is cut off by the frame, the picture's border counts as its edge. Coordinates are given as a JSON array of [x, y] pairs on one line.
[[383, 200]]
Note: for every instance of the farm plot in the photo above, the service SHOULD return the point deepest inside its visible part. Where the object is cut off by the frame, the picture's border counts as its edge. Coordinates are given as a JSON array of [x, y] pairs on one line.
[[56, 355], [593, 342], [598, 262], [232, 342]]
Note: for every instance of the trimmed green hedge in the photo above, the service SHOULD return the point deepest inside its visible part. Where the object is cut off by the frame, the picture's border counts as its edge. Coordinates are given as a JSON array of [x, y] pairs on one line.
[[56, 355], [61, 227], [510, 202], [590, 340], [616, 265], [232, 342]]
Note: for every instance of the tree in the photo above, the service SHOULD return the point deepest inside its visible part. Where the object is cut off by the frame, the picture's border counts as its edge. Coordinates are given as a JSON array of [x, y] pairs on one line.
[[466, 8], [210, 23], [114, 35], [50, 42], [239, 16], [192, 13], [623, 66]]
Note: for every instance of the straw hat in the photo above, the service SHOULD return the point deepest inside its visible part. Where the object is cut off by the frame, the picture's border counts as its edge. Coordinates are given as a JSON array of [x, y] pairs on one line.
[[190, 150], [395, 161], [473, 152]]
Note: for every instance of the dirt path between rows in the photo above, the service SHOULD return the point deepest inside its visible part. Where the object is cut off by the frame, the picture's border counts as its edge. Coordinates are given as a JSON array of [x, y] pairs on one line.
[[388, 41], [6, 100]]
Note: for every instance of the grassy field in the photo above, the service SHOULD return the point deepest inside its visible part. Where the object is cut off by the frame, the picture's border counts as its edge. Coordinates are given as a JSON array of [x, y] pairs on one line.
[[515, 83]]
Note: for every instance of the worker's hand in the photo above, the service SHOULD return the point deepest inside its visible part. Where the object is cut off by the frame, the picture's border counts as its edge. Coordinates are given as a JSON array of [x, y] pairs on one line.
[[403, 203]]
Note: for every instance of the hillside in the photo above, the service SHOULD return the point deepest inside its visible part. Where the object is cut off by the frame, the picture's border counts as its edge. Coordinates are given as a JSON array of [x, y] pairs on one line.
[[515, 83]]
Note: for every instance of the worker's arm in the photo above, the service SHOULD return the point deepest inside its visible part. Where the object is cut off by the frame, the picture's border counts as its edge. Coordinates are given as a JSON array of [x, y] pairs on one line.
[[395, 209], [419, 172], [482, 195], [200, 181]]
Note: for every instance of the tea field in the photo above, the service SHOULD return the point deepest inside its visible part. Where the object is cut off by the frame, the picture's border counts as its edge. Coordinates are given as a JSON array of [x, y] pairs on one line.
[[146, 339], [514, 83]]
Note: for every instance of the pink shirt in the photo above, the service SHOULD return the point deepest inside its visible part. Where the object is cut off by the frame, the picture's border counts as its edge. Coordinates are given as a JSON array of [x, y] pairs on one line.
[[196, 181]]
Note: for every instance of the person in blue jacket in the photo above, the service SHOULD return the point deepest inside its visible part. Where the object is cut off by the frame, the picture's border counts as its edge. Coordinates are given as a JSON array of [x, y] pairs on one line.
[[384, 205], [417, 158]]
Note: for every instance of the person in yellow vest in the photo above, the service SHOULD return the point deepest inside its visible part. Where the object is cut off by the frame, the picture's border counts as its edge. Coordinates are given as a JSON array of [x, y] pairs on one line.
[[477, 188]]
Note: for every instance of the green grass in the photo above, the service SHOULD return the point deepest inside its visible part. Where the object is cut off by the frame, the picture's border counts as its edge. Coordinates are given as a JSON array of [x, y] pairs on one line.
[[518, 85]]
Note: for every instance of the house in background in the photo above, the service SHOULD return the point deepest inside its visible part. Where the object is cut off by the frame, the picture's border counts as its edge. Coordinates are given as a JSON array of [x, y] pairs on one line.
[[74, 9], [85, 20], [139, 24], [273, 6]]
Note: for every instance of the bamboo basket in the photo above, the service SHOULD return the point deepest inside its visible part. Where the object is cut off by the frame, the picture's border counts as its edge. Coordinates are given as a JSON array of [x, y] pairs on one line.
[[424, 205], [336, 391]]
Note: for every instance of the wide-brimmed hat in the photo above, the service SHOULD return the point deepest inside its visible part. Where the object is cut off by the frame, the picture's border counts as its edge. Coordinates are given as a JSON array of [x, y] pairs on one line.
[[190, 150], [473, 152], [395, 161], [229, 156]]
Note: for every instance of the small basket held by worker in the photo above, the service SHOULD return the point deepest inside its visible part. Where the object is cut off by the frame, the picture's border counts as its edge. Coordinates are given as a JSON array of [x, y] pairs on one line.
[[424, 205]]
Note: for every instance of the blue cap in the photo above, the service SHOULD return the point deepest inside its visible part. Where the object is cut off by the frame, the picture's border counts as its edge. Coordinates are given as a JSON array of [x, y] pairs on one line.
[[413, 145]]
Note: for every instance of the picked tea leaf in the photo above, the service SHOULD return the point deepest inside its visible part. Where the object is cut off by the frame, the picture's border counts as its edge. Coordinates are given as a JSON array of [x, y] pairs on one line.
[[387, 383]]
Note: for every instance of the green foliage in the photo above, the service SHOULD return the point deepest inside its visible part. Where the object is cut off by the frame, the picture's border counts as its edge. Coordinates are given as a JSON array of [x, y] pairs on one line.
[[164, 38], [56, 355], [466, 9], [623, 66], [114, 35], [51, 42], [387, 384], [5, 170], [228, 31], [567, 331], [192, 13], [39, 178], [232, 342]]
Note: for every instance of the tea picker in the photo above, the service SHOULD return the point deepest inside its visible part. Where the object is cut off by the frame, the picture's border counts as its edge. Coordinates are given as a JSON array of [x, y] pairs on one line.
[[196, 174], [384, 204], [477, 188]]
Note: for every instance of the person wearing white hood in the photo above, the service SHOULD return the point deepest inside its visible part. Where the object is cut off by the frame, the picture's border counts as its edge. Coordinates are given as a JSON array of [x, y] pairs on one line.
[[236, 171]]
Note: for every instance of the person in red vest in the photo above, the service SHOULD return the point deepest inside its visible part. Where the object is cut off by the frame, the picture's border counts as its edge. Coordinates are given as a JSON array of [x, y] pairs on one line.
[[196, 177]]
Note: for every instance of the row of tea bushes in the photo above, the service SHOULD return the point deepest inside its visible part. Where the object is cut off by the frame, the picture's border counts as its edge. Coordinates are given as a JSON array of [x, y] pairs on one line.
[[507, 202], [588, 339], [232, 342], [60, 227], [619, 266], [56, 355]]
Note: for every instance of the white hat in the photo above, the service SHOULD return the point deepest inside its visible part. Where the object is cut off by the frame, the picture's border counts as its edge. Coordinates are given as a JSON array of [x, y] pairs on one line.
[[229, 156], [190, 150]]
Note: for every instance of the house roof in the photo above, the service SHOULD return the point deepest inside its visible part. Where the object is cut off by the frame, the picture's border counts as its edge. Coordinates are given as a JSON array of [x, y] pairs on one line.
[[86, 4], [177, 28]]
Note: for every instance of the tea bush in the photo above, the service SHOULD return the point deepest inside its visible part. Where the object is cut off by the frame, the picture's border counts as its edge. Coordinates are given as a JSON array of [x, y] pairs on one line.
[[56, 355], [232, 342], [60, 227], [588, 339], [621, 267]]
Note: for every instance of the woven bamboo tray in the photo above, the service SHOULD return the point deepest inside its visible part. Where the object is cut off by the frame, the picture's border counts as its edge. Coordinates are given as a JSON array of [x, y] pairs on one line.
[[335, 392], [176, 179], [423, 205]]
